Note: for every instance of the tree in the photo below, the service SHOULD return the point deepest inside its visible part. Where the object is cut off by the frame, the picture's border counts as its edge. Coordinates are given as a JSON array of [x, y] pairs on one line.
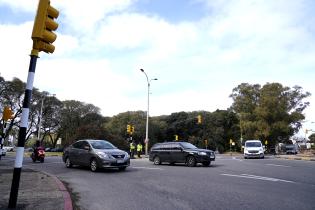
[[270, 112], [12, 93], [51, 119], [73, 115]]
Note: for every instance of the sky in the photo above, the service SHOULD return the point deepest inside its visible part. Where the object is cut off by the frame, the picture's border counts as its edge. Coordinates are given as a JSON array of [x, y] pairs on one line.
[[199, 50]]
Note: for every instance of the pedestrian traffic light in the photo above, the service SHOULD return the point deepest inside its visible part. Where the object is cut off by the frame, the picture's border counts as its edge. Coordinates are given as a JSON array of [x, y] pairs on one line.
[[43, 28], [128, 128], [199, 119], [7, 113]]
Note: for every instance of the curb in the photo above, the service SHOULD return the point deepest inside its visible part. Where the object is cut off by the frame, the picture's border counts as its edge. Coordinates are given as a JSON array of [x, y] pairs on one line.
[[63, 189], [297, 158]]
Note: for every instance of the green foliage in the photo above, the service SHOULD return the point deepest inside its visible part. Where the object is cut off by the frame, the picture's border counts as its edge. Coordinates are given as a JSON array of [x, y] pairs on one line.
[[270, 112]]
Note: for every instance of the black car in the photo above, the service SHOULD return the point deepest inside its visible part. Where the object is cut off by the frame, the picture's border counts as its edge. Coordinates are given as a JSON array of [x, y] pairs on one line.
[[180, 152], [95, 154]]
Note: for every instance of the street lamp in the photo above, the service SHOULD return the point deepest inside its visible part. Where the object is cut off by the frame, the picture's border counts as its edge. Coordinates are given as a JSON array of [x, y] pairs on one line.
[[40, 115], [146, 141]]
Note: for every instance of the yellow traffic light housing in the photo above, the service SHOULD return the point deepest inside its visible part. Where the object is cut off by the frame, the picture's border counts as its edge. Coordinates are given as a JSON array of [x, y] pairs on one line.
[[132, 129], [7, 113], [199, 119], [44, 25], [128, 129]]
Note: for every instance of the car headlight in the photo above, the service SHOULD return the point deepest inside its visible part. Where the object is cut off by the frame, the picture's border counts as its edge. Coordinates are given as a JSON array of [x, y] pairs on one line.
[[103, 155], [126, 155], [202, 153]]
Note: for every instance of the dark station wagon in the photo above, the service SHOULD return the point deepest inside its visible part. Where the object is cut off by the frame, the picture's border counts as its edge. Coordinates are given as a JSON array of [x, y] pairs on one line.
[[180, 152]]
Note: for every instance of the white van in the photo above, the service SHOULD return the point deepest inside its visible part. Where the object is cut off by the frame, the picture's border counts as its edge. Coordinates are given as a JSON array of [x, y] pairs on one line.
[[253, 148]]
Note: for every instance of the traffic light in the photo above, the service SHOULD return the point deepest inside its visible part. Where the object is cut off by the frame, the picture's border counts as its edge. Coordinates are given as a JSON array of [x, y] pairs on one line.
[[128, 128], [176, 137], [43, 28], [7, 113], [199, 119], [132, 129]]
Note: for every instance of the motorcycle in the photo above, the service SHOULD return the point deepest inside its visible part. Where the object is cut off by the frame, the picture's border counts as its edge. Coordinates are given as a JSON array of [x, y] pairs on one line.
[[38, 154]]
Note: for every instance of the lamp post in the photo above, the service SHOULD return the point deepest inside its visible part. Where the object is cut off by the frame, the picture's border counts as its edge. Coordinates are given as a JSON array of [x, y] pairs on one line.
[[146, 141], [41, 115], [40, 119]]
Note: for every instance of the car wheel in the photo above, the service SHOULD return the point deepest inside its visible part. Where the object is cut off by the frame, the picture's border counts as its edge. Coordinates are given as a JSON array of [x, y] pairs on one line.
[[68, 163], [93, 165], [122, 168], [191, 161], [157, 160], [207, 163]]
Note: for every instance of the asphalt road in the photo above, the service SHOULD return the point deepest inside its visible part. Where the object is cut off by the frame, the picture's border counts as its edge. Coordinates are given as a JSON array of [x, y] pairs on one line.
[[229, 183]]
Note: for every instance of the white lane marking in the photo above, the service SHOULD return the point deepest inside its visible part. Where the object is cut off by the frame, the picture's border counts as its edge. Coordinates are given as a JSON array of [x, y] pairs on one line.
[[277, 165], [148, 168], [248, 176]]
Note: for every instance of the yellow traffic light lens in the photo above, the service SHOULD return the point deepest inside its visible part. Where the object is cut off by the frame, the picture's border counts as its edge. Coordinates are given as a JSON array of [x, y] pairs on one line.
[[52, 12], [49, 36], [51, 24]]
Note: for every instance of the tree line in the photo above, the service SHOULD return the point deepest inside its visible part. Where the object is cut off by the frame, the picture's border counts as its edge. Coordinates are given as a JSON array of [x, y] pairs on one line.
[[270, 112]]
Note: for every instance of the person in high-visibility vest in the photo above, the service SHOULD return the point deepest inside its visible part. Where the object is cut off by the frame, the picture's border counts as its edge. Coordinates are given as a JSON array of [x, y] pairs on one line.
[[132, 149], [139, 149]]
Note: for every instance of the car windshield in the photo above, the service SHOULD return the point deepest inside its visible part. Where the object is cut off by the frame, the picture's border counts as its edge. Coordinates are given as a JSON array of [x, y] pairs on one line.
[[102, 145], [188, 145], [253, 144]]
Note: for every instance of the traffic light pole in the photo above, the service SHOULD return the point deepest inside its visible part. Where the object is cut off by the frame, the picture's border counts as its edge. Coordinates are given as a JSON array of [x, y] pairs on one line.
[[22, 132], [2, 137]]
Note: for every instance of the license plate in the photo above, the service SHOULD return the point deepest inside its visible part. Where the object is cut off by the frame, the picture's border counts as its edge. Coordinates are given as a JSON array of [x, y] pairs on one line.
[[120, 161]]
